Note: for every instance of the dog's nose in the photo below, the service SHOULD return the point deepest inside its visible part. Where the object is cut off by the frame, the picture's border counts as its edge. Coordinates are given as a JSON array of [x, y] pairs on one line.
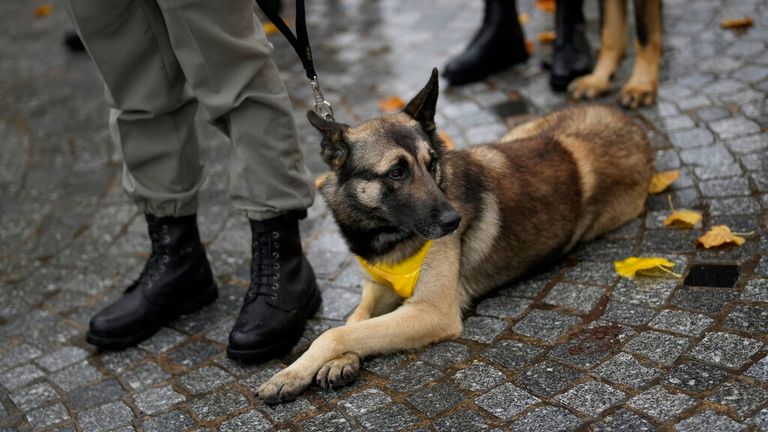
[[449, 220]]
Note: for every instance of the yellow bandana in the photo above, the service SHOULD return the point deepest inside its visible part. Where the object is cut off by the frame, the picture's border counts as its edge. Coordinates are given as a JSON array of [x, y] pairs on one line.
[[401, 277]]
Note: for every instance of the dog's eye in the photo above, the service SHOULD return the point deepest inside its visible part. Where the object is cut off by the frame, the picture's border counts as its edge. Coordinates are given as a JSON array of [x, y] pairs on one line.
[[396, 173]]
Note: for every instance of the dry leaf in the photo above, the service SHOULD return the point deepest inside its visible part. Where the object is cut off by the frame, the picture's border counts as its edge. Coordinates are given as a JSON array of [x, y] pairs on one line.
[[320, 180], [661, 180], [529, 47], [446, 139], [683, 218], [546, 37], [269, 28], [546, 5], [523, 18], [736, 23], [633, 266], [719, 235], [391, 104], [44, 10]]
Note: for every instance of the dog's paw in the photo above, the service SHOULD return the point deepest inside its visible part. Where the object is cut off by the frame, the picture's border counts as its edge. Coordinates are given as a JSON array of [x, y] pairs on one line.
[[283, 387], [588, 87], [635, 95], [339, 372]]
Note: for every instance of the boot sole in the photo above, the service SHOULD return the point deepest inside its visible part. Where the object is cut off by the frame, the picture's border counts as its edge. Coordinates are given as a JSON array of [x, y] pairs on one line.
[[208, 296], [277, 350]]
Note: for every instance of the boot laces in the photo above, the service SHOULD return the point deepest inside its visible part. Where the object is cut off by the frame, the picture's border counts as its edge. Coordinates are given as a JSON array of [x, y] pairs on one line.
[[265, 266], [158, 258]]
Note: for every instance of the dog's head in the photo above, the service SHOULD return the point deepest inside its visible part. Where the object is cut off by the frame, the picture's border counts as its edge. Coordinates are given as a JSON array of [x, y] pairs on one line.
[[389, 171]]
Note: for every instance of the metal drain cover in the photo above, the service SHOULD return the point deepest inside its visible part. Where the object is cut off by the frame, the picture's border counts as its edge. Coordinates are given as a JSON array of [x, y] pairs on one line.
[[712, 275]]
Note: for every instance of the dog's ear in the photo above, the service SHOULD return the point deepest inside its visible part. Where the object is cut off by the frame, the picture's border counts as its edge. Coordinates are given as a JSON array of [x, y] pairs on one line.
[[422, 106], [334, 148]]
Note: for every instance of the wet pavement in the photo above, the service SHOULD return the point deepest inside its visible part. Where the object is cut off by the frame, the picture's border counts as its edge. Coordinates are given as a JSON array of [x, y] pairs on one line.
[[573, 348]]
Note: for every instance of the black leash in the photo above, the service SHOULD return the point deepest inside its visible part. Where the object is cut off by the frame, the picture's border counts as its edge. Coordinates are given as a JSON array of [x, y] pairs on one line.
[[300, 44]]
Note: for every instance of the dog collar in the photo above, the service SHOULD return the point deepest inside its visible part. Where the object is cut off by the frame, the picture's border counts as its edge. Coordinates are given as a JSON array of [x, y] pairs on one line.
[[400, 277]]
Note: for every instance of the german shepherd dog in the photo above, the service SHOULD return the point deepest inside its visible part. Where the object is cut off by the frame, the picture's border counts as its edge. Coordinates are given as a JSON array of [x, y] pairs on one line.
[[643, 84], [492, 212]]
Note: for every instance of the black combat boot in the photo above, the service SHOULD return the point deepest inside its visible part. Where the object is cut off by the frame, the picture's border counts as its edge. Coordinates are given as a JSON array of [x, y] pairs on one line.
[[282, 296], [572, 57], [176, 280], [497, 45]]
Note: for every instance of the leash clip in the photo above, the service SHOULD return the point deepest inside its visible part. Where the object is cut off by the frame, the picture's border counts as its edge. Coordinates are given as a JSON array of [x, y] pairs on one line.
[[322, 107]]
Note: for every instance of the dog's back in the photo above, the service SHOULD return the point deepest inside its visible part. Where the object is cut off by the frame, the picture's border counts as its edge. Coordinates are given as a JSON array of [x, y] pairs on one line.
[[569, 176]]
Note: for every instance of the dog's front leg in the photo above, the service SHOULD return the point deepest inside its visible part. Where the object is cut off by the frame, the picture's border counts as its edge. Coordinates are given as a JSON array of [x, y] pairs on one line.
[[375, 300]]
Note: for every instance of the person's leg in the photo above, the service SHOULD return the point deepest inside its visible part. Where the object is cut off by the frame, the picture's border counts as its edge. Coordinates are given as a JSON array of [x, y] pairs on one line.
[[153, 123], [572, 57], [226, 59]]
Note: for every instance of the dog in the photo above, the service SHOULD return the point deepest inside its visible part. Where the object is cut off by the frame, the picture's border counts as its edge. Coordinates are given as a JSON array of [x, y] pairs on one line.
[[488, 213], [643, 84]]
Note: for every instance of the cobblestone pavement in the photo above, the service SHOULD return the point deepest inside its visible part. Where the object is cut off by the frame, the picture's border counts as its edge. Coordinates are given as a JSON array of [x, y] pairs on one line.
[[573, 348]]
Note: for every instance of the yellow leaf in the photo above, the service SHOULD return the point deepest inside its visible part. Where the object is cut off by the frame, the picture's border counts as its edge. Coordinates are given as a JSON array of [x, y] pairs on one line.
[[546, 5], [523, 18], [446, 139], [269, 28], [391, 104], [633, 266], [719, 235], [529, 46], [546, 37], [43, 10], [683, 218], [661, 180], [736, 23]]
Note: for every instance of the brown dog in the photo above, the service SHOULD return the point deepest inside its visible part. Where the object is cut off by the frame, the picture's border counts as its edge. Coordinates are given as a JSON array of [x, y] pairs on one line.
[[565, 177], [643, 84]]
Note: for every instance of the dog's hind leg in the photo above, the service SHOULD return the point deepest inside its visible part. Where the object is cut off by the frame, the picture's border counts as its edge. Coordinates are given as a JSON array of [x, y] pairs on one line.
[[613, 43], [640, 89], [374, 301]]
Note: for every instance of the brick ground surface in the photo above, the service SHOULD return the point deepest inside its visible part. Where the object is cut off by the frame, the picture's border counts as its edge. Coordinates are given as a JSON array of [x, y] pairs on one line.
[[572, 348]]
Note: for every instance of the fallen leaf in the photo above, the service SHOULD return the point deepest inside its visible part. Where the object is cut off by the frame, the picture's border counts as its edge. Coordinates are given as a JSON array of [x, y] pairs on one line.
[[320, 180], [269, 28], [391, 104], [661, 180], [523, 18], [529, 47], [446, 139], [633, 266], [546, 37], [43, 10], [736, 23], [719, 235], [683, 218], [546, 5]]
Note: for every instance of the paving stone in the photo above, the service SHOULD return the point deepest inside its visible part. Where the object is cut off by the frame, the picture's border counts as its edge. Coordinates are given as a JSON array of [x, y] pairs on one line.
[[742, 397], [249, 422], [683, 322], [478, 376], [18, 355], [527, 288], [393, 417], [193, 353], [62, 358], [657, 346], [659, 403], [162, 341], [483, 329], [34, 396], [286, 411], [511, 354], [445, 353], [597, 273], [759, 370], [702, 300], [547, 418], [47, 416], [726, 349], [173, 421], [625, 369], [689, 138], [413, 376], [118, 361], [435, 399], [591, 398], [20, 376], [75, 376], [651, 292], [204, 379], [105, 417], [145, 376], [622, 421], [627, 313], [502, 307], [365, 401], [383, 365], [734, 127], [581, 298], [461, 421], [506, 400], [760, 420], [545, 325], [593, 345], [708, 420], [218, 404], [734, 186], [751, 319], [155, 400], [695, 376], [105, 391]]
